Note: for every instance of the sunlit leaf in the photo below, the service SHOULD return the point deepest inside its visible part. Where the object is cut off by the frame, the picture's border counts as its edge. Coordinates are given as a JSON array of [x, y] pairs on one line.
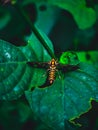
[[70, 58], [73, 58], [89, 57]]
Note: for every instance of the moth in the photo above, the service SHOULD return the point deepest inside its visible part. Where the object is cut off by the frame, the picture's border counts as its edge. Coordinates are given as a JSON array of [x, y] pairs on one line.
[[68, 62]]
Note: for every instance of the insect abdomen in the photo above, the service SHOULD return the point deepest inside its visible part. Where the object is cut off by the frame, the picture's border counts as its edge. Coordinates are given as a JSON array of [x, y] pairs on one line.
[[52, 70], [51, 77]]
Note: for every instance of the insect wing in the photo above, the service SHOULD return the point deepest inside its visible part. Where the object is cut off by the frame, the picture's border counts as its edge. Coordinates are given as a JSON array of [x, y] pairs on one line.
[[67, 67], [38, 64]]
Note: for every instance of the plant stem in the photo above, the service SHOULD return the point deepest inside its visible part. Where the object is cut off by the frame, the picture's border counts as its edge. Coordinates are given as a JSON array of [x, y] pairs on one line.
[[35, 30]]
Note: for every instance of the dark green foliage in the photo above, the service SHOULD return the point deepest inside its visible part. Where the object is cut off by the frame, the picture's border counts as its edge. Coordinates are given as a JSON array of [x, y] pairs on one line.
[[69, 100], [84, 16]]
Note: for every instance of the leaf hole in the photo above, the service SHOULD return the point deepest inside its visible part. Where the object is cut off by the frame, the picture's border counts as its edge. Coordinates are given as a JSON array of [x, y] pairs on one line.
[[88, 57]]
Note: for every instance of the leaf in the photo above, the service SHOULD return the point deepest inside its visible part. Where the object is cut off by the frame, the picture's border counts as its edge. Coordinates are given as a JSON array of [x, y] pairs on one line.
[[73, 58], [85, 17], [69, 57], [15, 75], [5, 18], [89, 57], [66, 99]]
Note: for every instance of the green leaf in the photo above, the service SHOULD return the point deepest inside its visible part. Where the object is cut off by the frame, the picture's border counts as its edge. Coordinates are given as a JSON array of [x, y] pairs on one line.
[[70, 58], [66, 99], [15, 75], [74, 58], [85, 17], [89, 57], [5, 18]]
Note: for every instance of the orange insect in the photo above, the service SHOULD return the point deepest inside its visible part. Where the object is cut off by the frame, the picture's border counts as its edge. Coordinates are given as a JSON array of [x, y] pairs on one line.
[[51, 71]]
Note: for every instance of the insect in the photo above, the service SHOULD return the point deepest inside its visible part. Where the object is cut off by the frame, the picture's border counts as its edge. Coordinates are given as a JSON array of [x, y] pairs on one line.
[[51, 71], [68, 62]]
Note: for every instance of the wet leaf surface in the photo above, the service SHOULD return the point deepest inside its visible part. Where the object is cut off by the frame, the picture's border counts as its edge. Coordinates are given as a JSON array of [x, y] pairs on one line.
[[66, 99]]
